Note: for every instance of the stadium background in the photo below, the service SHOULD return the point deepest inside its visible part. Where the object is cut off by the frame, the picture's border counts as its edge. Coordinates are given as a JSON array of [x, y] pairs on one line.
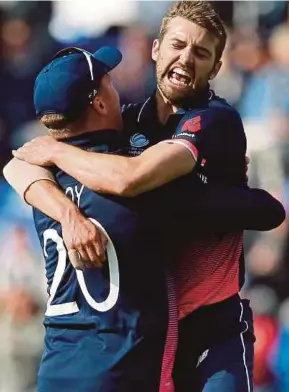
[[254, 78]]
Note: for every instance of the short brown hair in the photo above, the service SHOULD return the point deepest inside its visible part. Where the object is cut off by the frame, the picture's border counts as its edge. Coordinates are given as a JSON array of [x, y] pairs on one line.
[[56, 123], [203, 14]]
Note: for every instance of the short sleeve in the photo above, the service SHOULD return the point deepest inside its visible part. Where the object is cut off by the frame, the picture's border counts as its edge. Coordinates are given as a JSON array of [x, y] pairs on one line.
[[217, 140]]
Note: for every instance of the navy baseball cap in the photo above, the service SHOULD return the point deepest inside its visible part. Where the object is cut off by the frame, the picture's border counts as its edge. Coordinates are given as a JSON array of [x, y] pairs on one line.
[[69, 83]]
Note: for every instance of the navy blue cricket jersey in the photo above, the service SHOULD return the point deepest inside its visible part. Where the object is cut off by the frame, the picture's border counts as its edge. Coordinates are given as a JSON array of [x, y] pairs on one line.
[[214, 133], [210, 269], [140, 230], [122, 295]]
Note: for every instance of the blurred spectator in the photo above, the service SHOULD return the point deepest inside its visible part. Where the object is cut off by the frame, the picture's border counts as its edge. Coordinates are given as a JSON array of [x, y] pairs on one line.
[[280, 360], [230, 81], [24, 52], [264, 303], [83, 18], [263, 115], [266, 332], [22, 297], [26, 132], [136, 66]]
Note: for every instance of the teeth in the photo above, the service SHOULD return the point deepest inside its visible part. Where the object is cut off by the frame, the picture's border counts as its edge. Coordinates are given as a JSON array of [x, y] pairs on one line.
[[179, 82], [180, 71], [180, 77]]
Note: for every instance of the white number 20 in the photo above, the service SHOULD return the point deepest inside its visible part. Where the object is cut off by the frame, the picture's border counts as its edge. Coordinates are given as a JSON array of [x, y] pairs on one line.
[[71, 307]]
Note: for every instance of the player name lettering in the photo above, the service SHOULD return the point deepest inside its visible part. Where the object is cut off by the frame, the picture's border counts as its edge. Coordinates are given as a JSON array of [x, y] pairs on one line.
[[188, 134], [74, 193]]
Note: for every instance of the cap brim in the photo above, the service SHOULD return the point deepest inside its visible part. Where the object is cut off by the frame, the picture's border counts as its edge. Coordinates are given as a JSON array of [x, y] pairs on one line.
[[110, 56]]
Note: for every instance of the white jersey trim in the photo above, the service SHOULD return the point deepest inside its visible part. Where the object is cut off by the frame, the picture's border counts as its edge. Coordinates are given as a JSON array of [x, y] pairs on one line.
[[244, 349], [183, 143]]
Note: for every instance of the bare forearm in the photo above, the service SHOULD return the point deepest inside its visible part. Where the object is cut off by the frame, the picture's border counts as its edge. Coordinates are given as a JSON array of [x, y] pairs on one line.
[[20, 175], [124, 176], [38, 187], [112, 174], [158, 166], [47, 197], [100, 172]]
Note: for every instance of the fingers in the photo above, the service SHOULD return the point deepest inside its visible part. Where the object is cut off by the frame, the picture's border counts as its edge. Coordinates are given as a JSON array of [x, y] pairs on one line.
[[17, 154], [93, 257], [76, 259], [98, 246], [20, 153], [95, 246], [104, 240], [84, 258], [86, 242], [89, 255]]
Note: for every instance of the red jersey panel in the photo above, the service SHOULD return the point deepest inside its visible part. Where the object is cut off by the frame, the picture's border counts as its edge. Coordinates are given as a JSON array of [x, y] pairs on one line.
[[208, 271], [209, 267]]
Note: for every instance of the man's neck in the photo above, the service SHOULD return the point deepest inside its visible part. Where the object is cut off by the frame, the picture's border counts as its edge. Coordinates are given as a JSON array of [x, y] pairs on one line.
[[72, 132], [164, 107], [80, 128]]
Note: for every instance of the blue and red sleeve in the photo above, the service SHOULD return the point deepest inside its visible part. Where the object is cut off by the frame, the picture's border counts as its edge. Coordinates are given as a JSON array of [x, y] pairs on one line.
[[212, 133]]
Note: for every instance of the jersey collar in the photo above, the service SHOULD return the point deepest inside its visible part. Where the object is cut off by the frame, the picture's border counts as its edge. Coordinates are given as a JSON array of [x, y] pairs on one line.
[[108, 137], [148, 111]]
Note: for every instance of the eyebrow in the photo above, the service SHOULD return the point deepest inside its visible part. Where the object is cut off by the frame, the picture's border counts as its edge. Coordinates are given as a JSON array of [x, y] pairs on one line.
[[180, 41]]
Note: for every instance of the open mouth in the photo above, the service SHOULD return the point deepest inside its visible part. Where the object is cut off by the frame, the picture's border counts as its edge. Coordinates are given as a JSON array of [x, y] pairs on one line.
[[179, 77]]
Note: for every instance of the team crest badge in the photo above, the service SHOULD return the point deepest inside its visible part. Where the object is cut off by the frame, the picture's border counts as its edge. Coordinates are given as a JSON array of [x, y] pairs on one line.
[[138, 140]]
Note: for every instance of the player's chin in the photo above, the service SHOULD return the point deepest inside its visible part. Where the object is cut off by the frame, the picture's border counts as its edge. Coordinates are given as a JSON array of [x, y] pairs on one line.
[[177, 96]]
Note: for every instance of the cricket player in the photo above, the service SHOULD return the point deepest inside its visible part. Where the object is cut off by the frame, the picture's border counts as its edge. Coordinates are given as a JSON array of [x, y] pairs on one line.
[[101, 324], [203, 136]]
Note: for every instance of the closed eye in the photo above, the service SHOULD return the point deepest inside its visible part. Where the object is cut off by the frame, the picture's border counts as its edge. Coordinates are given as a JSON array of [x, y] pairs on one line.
[[202, 54], [178, 46]]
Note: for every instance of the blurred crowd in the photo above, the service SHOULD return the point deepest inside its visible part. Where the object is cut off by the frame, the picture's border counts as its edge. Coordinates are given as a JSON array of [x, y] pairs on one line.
[[254, 78]]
